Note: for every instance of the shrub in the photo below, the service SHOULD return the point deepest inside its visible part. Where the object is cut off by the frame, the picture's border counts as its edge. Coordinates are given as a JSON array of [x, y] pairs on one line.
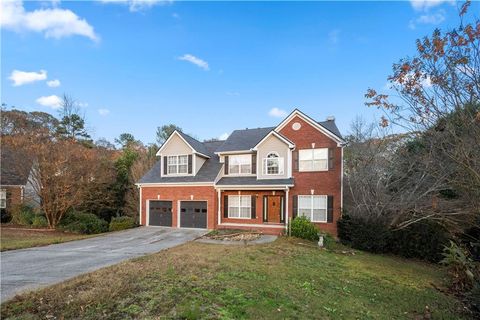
[[122, 223], [424, 240], [22, 215], [6, 216], [303, 228], [82, 222], [363, 235], [39, 221]]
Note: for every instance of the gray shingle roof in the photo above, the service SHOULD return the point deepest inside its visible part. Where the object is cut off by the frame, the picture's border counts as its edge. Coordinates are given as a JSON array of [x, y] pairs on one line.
[[331, 126], [252, 181], [15, 167], [207, 173], [244, 139], [197, 145]]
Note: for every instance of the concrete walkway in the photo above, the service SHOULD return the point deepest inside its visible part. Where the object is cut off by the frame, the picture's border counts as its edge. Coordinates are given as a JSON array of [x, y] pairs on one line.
[[27, 269]]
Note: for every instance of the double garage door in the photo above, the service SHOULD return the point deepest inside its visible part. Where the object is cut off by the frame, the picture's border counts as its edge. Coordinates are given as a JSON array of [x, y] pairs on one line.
[[193, 214]]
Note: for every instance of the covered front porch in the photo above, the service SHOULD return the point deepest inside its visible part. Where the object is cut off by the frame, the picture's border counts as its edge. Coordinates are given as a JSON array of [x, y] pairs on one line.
[[262, 208]]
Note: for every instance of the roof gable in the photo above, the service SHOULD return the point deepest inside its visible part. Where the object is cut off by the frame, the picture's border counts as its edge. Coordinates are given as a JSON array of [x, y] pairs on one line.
[[317, 125], [196, 146], [15, 167], [278, 136], [243, 140]]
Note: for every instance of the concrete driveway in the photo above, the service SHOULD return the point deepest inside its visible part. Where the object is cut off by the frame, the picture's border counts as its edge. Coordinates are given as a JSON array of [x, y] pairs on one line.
[[32, 268]]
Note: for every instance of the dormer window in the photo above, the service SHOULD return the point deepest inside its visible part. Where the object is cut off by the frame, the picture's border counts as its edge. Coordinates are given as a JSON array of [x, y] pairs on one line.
[[177, 164], [240, 164], [273, 164]]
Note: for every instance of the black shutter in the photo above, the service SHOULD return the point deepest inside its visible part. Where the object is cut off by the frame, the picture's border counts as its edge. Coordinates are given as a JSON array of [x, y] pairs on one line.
[[254, 163], [226, 164], [331, 158], [225, 206], [190, 164], [295, 206], [295, 160], [265, 209], [330, 209], [254, 207], [282, 209], [164, 165]]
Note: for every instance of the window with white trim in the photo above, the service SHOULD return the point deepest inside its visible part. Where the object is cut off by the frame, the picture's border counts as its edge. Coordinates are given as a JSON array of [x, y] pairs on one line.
[[239, 207], [273, 164], [313, 207], [177, 164], [313, 159], [3, 198], [240, 164]]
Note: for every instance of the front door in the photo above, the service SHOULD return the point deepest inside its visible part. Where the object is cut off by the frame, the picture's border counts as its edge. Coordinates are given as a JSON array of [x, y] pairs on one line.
[[273, 209]]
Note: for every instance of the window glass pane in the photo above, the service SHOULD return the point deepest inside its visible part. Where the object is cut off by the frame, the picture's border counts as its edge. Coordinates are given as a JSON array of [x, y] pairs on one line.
[[233, 168], [183, 168], [233, 212], [172, 159], [245, 212], [319, 215], [183, 159], [304, 213], [320, 153], [304, 202], [245, 201], [172, 169], [319, 202], [320, 165], [273, 166], [305, 165], [305, 154], [233, 201], [245, 168]]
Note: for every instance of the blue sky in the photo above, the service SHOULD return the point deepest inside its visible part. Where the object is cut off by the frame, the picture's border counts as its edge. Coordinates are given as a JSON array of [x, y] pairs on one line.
[[209, 67]]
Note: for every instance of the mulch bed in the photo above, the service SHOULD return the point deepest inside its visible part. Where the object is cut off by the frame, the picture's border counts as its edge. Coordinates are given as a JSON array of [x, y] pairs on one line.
[[241, 236]]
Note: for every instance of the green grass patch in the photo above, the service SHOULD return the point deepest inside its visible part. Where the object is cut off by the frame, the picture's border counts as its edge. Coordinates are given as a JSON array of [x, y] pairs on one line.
[[17, 238], [278, 280]]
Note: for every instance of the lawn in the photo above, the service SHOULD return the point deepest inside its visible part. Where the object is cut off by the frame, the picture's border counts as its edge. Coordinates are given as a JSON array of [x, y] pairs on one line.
[[17, 238], [279, 280]]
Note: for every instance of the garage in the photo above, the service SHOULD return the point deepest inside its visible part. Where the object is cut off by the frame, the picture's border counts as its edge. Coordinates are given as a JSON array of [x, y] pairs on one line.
[[160, 213], [193, 214]]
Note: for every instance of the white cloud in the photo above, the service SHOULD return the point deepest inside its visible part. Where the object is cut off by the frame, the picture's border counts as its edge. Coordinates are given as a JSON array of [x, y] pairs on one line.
[[53, 83], [278, 113], [334, 36], [23, 77], [196, 61], [52, 22], [223, 136], [103, 112], [138, 5], [423, 5], [52, 101], [428, 18]]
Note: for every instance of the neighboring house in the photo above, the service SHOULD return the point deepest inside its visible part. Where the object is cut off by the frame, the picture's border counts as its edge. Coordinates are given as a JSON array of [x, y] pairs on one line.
[[256, 179], [16, 179]]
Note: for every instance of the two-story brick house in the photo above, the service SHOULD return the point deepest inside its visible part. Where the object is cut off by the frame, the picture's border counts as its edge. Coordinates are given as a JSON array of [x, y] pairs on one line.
[[256, 179]]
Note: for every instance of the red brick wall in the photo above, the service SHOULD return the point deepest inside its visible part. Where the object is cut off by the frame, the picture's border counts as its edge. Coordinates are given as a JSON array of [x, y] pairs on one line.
[[259, 205], [14, 196], [323, 182], [174, 194]]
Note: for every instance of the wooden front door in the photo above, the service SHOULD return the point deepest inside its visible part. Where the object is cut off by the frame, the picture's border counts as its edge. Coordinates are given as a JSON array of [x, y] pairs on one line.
[[273, 209]]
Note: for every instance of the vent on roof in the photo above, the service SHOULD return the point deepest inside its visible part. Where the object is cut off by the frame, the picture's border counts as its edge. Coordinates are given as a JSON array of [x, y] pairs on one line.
[[330, 118]]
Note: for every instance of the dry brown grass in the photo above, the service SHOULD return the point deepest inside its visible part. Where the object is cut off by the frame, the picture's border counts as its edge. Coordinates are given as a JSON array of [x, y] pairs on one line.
[[19, 238], [281, 279]]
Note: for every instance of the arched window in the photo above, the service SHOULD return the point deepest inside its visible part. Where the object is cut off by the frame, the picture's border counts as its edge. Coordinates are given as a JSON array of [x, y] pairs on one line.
[[273, 164]]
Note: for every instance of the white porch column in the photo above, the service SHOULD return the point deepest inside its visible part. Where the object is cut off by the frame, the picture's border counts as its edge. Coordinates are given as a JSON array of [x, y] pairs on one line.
[[219, 200], [140, 205], [286, 208]]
